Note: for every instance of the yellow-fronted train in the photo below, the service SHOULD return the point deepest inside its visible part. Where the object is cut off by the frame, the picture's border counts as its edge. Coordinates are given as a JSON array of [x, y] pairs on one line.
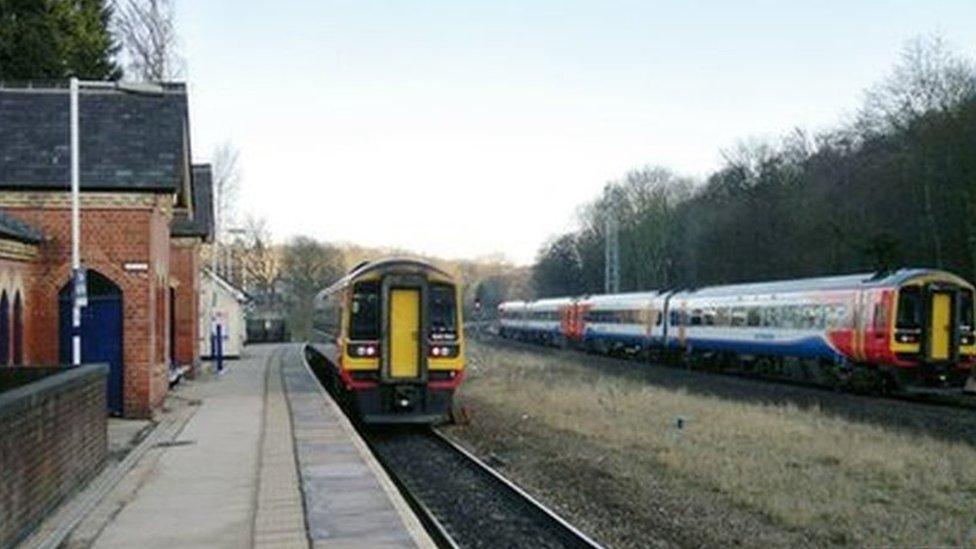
[[390, 333]]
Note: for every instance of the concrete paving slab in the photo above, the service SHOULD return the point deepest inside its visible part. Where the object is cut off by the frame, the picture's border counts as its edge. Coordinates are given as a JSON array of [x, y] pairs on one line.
[[349, 500], [204, 490]]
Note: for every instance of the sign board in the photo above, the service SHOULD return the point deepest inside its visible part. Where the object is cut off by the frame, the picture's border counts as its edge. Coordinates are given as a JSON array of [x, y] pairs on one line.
[[80, 277], [138, 266]]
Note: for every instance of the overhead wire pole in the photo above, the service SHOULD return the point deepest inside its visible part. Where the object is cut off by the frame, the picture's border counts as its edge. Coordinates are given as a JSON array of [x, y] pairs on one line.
[[611, 284]]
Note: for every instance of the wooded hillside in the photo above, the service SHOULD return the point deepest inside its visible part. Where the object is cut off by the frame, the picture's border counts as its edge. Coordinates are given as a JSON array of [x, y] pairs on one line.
[[894, 187]]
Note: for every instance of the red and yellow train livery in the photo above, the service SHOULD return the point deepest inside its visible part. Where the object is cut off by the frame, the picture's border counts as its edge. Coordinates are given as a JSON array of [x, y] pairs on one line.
[[391, 333]]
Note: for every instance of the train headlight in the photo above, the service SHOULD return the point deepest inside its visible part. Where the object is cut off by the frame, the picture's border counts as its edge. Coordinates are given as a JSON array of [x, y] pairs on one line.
[[443, 351], [363, 350]]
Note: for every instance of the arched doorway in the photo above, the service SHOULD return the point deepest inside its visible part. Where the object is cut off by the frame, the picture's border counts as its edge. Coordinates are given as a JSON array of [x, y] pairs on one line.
[[101, 332], [18, 330]]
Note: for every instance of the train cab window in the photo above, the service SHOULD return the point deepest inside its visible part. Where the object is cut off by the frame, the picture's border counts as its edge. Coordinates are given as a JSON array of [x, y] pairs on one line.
[[364, 312], [443, 312], [966, 310], [909, 308]]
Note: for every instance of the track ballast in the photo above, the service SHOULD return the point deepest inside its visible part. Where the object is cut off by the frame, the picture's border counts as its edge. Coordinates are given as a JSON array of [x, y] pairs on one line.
[[468, 503]]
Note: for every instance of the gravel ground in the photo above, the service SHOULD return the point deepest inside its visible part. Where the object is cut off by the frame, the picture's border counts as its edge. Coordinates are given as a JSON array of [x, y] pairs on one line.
[[579, 480], [476, 509], [626, 497]]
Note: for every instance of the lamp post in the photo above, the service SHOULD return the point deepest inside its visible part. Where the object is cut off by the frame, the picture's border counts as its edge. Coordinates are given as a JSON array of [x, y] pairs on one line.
[[76, 299], [79, 294]]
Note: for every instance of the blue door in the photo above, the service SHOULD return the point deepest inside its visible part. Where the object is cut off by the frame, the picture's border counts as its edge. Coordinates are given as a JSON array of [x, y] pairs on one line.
[[101, 332]]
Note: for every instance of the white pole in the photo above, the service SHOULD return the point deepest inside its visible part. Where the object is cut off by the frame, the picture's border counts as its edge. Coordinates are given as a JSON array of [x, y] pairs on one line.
[[75, 227], [213, 267]]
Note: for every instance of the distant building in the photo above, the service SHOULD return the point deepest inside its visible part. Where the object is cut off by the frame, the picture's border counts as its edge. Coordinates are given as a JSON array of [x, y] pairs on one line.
[[222, 302], [137, 180]]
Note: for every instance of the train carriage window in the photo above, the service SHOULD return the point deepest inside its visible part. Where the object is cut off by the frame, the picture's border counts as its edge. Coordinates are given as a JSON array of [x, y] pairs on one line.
[[880, 317], [442, 310], [810, 316], [782, 315], [364, 312], [838, 318], [658, 318], [753, 316], [696, 318], [909, 308], [722, 316], [738, 317], [709, 317], [675, 318]]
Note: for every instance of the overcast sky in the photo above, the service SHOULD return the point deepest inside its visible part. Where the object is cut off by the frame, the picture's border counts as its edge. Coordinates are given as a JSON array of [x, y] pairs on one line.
[[463, 128]]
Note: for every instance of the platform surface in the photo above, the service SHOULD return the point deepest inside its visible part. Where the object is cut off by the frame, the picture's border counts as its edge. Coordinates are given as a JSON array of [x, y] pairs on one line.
[[266, 459], [349, 500]]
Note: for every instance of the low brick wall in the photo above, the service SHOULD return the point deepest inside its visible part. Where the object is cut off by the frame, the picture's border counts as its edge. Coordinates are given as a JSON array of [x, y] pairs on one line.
[[53, 439]]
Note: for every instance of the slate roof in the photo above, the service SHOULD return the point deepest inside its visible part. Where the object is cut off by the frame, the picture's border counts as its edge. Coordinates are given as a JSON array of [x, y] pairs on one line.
[[129, 142], [201, 223], [15, 229]]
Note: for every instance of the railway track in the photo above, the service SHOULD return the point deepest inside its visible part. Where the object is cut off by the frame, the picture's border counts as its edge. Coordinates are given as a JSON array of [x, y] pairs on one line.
[[464, 502]]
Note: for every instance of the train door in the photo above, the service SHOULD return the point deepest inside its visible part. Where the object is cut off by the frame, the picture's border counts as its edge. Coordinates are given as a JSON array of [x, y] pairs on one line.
[[405, 332], [940, 326]]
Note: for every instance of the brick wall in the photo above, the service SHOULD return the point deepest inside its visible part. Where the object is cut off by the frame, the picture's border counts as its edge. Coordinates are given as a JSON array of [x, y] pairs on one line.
[[16, 276], [54, 439], [116, 229], [185, 274]]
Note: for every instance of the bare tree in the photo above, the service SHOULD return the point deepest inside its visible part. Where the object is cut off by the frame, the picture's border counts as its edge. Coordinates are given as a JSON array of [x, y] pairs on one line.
[[930, 78], [261, 263], [308, 266], [929, 83], [227, 182], [147, 33]]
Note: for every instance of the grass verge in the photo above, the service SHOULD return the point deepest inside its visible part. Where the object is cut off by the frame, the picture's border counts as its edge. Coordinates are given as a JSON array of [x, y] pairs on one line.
[[808, 474]]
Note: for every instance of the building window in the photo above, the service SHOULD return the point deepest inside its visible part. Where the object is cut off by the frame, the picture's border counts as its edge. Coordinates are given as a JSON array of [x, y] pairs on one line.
[[18, 330]]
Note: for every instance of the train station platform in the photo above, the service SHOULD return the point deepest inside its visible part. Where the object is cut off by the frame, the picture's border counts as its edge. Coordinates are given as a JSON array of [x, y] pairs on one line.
[[259, 456]]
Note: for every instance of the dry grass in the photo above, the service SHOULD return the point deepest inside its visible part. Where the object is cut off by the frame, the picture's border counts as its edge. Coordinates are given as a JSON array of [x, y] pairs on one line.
[[833, 479]]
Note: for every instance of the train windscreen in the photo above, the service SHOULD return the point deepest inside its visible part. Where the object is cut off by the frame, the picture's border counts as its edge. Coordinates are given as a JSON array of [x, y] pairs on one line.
[[364, 312], [966, 309], [909, 308], [442, 309]]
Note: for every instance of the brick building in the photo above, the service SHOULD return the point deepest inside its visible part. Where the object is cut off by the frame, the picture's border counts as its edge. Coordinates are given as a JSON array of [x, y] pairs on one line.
[[140, 231], [189, 231]]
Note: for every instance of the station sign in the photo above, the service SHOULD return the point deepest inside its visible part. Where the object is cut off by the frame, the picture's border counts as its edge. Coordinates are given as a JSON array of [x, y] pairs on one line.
[[80, 277]]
